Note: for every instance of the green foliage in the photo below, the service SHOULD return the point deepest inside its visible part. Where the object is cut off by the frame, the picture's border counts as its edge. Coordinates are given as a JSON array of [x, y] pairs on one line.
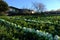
[[50, 24], [3, 6], [9, 32]]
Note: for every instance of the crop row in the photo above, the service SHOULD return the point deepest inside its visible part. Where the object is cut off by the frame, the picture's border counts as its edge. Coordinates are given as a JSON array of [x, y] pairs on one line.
[[39, 33], [48, 24], [51, 26]]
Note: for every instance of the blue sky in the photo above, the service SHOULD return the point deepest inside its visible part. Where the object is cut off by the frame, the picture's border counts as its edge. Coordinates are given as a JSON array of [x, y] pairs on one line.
[[49, 4]]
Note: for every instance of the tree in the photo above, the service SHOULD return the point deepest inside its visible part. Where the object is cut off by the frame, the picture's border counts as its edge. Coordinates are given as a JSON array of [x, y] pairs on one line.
[[39, 7], [3, 6]]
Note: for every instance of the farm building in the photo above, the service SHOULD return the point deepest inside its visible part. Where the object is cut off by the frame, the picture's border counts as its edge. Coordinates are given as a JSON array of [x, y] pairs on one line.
[[16, 11]]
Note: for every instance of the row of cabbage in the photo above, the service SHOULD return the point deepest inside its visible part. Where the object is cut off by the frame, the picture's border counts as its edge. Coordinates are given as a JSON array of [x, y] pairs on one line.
[[47, 25], [39, 33]]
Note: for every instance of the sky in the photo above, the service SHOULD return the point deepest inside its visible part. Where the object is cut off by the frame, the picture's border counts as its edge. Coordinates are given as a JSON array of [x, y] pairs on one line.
[[49, 4]]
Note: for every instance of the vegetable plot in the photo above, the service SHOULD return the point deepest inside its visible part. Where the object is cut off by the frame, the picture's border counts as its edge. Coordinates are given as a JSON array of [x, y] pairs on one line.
[[44, 35]]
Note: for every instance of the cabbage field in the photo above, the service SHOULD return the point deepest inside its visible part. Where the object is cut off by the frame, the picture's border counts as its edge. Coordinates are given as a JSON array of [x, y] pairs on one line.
[[29, 27]]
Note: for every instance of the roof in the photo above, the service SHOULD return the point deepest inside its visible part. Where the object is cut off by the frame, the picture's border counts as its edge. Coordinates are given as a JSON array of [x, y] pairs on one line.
[[20, 9], [13, 7]]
